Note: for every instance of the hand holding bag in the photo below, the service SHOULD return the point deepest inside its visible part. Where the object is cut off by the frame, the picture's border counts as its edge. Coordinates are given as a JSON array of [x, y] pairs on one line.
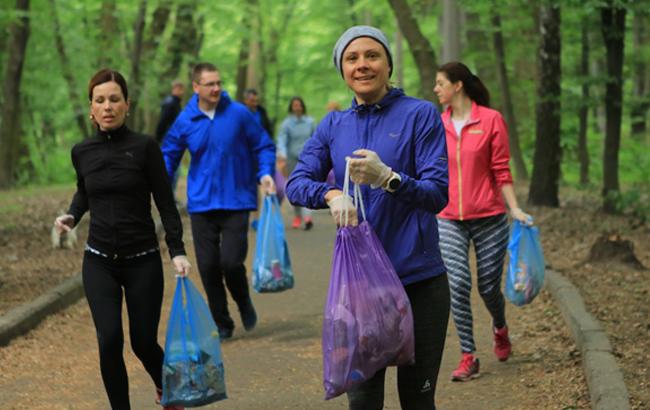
[[526, 267]]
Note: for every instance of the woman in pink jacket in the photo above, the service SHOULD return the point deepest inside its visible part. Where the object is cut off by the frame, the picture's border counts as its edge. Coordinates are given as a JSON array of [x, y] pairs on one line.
[[479, 181]]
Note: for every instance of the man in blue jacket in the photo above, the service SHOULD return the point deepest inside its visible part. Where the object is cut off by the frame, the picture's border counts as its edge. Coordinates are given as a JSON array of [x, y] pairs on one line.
[[230, 154]]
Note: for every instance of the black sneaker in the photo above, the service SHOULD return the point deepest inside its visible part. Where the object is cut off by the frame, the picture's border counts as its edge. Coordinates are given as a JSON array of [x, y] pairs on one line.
[[248, 315], [225, 332]]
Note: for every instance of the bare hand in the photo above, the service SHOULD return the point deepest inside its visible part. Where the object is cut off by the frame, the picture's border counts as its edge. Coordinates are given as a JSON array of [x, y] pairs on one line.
[[64, 223], [182, 265], [521, 216]]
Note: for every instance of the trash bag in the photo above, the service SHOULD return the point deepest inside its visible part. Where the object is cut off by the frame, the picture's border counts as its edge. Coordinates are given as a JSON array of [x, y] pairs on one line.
[[280, 184], [193, 373], [525, 276], [272, 266], [368, 323]]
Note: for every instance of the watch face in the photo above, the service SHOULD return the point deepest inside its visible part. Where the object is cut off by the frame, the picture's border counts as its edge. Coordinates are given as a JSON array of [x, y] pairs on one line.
[[393, 183]]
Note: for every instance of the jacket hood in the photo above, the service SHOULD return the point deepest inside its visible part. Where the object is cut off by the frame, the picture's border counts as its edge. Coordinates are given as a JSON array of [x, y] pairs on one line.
[[193, 104], [390, 97]]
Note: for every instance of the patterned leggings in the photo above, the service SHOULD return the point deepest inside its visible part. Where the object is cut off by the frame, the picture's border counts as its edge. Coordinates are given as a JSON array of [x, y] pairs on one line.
[[490, 237]]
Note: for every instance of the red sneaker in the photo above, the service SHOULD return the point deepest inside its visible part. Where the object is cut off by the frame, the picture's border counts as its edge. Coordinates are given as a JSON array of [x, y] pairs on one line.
[[502, 345], [159, 396], [297, 221], [309, 223], [468, 369]]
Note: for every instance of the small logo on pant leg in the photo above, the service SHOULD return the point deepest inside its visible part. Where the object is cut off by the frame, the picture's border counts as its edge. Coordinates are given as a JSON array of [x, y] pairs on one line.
[[426, 386]]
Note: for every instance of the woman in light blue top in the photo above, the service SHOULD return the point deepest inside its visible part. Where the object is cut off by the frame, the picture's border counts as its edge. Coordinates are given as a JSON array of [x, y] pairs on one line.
[[294, 132]]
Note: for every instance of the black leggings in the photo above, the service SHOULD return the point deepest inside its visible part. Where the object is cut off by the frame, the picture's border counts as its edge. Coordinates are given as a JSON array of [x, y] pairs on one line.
[[416, 384], [141, 280]]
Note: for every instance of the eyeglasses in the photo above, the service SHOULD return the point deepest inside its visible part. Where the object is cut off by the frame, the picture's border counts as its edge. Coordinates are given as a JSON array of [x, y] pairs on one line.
[[212, 84]]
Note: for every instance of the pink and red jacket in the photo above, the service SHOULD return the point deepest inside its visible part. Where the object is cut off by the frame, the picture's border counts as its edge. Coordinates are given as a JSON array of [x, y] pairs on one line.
[[478, 165]]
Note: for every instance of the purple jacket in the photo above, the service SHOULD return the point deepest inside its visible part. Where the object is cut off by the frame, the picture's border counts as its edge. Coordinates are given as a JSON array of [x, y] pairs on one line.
[[409, 137]]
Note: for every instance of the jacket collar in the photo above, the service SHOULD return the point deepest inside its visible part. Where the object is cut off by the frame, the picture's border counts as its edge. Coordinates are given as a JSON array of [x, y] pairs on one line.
[[474, 115], [112, 134], [193, 105], [390, 97]]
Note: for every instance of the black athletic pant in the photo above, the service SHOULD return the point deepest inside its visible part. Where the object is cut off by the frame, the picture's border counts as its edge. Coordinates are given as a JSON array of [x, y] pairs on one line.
[[140, 280], [416, 384], [221, 244]]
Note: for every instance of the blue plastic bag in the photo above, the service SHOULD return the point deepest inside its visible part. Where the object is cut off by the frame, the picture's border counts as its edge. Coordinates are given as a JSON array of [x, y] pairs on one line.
[[368, 322], [272, 266], [526, 268], [193, 373]]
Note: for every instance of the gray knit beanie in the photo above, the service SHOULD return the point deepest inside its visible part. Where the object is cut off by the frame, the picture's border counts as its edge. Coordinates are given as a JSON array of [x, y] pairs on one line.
[[355, 32]]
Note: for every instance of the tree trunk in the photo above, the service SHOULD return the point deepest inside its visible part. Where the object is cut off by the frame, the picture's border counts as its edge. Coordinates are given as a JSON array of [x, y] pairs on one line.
[[583, 113], [481, 49], [450, 29], [399, 58], [136, 84], [640, 93], [548, 152], [183, 41], [244, 50], [19, 31], [145, 116], [108, 28], [508, 109], [423, 53], [80, 112], [613, 28]]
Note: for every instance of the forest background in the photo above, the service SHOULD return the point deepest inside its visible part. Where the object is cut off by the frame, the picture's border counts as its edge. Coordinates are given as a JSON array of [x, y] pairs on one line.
[[571, 77]]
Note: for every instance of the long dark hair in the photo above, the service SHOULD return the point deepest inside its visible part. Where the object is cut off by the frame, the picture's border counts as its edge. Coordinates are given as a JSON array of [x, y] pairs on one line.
[[104, 76], [297, 98], [472, 85]]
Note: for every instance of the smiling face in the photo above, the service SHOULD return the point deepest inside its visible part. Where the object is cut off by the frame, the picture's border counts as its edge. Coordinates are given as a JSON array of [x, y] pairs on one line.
[[108, 106], [366, 70], [209, 89]]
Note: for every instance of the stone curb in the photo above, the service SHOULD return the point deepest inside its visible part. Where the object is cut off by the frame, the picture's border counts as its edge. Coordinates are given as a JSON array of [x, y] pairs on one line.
[[604, 378], [27, 316]]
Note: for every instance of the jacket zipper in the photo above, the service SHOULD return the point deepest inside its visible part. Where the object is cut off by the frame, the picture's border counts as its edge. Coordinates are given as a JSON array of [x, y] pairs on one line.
[[110, 152], [460, 178]]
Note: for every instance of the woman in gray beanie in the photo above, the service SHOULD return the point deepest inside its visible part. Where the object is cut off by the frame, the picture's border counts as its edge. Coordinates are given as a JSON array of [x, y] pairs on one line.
[[399, 155]]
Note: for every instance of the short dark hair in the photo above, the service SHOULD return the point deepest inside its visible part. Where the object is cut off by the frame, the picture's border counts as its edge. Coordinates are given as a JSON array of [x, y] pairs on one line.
[[106, 75], [250, 91], [200, 68], [297, 98]]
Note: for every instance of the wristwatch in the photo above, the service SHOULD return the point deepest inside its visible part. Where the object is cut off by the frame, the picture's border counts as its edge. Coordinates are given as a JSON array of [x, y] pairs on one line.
[[393, 183]]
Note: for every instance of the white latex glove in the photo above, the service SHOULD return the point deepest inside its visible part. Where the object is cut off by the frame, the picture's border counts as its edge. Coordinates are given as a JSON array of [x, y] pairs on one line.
[[521, 216], [337, 209], [182, 265], [369, 169], [268, 185], [64, 223]]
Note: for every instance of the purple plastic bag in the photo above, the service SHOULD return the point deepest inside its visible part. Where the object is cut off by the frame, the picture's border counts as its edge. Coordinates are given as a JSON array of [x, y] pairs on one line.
[[280, 183], [368, 323]]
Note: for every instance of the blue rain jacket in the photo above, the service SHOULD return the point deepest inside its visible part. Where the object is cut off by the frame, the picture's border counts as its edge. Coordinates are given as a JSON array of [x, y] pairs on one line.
[[408, 135], [230, 153]]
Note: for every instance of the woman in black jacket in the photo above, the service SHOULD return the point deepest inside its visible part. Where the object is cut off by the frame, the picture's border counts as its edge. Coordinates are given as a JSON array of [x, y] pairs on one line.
[[117, 172]]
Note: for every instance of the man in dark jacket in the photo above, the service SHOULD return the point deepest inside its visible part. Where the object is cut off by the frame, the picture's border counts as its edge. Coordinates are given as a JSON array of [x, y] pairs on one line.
[[169, 110], [230, 155], [252, 101]]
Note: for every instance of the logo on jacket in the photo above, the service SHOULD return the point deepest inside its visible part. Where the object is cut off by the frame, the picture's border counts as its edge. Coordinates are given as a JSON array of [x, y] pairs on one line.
[[475, 131], [129, 154], [393, 134]]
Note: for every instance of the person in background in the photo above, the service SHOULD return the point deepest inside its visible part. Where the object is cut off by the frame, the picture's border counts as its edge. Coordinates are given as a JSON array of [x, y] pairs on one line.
[[294, 132], [230, 155], [169, 110], [399, 155], [118, 171], [252, 101], [479, 181]]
